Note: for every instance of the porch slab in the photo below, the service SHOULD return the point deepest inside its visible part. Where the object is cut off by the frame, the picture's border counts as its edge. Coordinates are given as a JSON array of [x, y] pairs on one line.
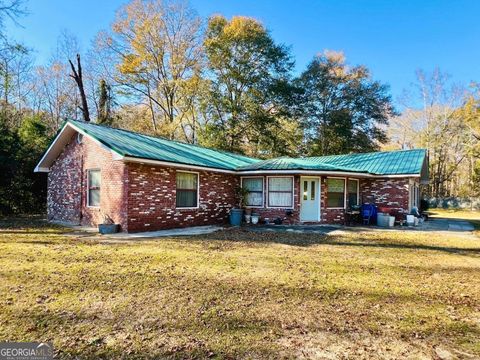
[[432, 225]]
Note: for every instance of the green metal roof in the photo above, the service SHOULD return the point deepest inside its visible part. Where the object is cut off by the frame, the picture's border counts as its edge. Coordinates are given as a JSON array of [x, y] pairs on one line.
[[127, 143], [287, 163], [376, 163]]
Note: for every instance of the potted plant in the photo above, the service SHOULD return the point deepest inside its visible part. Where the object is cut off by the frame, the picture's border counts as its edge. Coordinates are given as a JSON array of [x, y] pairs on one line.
[[255, 218], [108, 226], [236, 214]]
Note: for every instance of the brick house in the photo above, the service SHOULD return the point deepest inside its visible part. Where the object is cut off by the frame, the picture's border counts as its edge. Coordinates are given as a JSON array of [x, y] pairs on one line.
[[146, 183]]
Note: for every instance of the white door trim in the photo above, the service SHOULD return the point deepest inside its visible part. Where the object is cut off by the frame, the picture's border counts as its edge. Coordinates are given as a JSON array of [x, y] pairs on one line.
[[318, 197]]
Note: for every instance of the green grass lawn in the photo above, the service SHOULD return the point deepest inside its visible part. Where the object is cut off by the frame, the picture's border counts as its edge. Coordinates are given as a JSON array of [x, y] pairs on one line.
[[236, 294]]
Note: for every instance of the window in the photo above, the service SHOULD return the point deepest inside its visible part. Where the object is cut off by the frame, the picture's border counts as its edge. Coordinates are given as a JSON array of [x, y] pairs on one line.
[[254, 187], [335, 193], [312, 190], [280, 192], [94, 180], [352, 192], [414, 194], [187, 190]]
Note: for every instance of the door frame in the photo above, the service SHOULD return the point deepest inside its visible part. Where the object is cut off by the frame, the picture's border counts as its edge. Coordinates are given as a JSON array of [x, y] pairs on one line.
[[319, 199]]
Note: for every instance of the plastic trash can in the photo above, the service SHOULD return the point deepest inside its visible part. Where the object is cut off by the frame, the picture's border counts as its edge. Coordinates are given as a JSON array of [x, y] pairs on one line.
[[236, 217]]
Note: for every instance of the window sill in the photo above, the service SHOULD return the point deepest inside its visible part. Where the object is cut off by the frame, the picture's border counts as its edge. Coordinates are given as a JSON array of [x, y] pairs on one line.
[[280, 207], [187, 208]]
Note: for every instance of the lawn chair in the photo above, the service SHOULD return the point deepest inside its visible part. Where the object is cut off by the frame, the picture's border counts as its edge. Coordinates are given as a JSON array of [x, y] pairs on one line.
[[366, 215], [368, 212]]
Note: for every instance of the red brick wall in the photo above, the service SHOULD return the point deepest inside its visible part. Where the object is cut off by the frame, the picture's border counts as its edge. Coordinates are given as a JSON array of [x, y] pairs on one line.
[[387, 193], [67, 185], [152, 199], [391, 193]]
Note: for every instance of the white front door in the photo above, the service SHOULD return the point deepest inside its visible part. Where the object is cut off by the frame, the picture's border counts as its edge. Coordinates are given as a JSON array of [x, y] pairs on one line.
[[310, 199]]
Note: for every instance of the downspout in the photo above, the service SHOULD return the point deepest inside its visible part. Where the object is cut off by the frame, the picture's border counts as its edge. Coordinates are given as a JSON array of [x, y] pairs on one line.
[[81, 190]]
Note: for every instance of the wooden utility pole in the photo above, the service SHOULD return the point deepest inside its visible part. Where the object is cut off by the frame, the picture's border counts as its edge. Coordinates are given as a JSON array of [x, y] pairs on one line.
[[77, 76]]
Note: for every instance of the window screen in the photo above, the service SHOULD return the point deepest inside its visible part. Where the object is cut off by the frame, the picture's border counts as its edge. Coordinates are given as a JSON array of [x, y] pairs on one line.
[[280, 192], [94, 181], [187, 189], [352, 194], [254, 187], [335, 193]]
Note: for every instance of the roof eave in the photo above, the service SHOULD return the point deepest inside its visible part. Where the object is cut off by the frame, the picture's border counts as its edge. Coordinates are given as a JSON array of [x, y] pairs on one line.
[[325, 172], [61, 140]]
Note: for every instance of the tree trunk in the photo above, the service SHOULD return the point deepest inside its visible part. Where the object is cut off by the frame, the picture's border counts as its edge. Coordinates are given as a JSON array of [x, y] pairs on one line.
[[77, 76]]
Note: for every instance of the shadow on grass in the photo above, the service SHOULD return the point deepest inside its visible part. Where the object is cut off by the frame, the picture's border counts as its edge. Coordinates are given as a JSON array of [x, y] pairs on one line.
[[154, 337], [31, 242], [33, 232], [29, 222], [306, 240], [167, 336]]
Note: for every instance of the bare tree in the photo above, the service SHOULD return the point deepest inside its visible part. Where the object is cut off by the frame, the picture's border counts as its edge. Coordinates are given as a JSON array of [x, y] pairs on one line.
[[431, 119], [11, 9], [78, 77], [157, 49], [54, 92]]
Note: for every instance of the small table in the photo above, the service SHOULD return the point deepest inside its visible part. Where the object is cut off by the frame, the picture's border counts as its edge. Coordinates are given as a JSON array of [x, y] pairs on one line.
[[350, 215]]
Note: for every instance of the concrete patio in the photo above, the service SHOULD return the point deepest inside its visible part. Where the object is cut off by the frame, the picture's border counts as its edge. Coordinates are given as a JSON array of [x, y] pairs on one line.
[[432, 225]]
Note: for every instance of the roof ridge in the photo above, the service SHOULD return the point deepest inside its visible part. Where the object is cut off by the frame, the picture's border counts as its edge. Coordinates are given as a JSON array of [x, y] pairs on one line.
[[162, 138], [367, 153]]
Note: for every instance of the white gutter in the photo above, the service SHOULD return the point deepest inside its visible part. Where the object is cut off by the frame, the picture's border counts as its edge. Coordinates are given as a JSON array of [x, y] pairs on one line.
[[323, 172]]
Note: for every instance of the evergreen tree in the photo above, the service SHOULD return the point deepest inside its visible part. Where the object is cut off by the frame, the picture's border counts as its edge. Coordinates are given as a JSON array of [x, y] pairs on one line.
[[249, 86], [342, 109]]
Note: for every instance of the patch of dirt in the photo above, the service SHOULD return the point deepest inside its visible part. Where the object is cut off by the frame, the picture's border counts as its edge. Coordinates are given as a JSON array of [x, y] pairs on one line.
[[326, 345]]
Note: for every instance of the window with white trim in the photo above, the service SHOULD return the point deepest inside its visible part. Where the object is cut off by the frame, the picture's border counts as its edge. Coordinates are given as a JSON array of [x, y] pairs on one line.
[[187, 190], [335, 193], [280, 192], [254, 188], [414, 190], [352, 192], [94, 182]]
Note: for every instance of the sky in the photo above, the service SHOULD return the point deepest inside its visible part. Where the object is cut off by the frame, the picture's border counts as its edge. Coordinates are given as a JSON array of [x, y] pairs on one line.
[[393, 38]]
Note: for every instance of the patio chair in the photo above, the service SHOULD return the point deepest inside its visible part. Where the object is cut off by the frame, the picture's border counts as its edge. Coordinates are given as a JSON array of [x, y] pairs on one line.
[[366, 215]]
